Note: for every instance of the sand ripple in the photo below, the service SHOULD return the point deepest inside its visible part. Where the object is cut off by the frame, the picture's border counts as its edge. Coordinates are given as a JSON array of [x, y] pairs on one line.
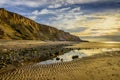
[[101, 68]]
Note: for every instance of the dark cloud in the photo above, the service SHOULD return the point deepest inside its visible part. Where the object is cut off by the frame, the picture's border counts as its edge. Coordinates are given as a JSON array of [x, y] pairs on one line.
[[66, 13], [98, 6], [102, 38], [94, 18], [77, 29]]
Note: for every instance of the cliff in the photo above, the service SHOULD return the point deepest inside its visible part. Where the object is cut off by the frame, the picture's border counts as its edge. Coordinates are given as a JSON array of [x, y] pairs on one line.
[[16, 27]]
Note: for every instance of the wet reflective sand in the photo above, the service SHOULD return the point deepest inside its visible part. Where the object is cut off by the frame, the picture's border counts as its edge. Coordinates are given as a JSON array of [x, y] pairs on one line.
[[92, 48], [105, 66]]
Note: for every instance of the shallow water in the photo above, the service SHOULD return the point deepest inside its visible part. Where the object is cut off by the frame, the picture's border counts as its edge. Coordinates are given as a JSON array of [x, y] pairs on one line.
[[83, 50]]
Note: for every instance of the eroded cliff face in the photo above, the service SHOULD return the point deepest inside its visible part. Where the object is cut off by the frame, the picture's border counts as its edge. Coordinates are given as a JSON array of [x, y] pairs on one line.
[[15, 26]]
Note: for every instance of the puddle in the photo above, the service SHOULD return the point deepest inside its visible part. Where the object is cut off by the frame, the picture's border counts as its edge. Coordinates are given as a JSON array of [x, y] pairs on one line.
[[78, 54]]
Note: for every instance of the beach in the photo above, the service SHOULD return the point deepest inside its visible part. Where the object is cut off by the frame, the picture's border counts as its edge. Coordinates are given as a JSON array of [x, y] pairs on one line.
[[98, 67], [105, 66]]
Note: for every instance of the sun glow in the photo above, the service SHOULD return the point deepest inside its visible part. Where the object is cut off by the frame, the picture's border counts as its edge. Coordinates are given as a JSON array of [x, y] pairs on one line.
[[100, 26], [110, 42]]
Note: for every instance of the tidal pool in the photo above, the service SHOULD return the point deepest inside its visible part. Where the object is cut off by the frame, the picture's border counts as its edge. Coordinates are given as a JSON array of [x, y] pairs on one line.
[[80, 53], [84, 50]]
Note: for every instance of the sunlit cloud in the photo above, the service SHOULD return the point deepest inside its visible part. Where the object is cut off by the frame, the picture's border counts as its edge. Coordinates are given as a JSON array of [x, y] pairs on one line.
[[100, 25], [83, 18]]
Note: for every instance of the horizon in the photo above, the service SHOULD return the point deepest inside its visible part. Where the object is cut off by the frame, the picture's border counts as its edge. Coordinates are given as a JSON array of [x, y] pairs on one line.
[[92, 20]]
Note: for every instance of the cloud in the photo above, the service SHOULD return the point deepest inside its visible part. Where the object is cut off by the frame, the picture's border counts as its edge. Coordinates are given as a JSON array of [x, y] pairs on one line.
[[102, 38], [46, 11], [43, 12], [29, 3], [71, 19], [2, 2], [51, 3], [103, 26], [66, 16], [80, 17], [34, 17], [77, 29], [60, 3], [36, 12], [62, 15], [55, 6]]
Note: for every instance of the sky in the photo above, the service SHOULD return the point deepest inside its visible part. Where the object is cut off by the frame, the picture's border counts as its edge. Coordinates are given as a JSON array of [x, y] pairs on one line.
[[93, 20]]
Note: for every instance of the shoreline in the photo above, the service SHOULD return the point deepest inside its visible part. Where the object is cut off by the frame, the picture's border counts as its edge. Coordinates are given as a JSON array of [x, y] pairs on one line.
[[18, 53], [105, 66], [20, 44], [99, 67]]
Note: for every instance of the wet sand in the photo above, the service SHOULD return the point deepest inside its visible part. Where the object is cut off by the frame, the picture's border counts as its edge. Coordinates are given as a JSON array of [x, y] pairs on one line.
[[19, 44], [14, 53], [98, 67], [104, 66]]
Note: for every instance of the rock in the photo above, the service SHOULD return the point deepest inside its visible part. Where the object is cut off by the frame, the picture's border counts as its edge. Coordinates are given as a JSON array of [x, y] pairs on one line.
[[57, 58], [4, 50], [75, 57]]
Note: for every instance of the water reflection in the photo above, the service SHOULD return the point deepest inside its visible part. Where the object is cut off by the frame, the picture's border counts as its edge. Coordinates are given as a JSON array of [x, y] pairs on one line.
[[96, 45], [80, 53], [65, 57], [83, 50]]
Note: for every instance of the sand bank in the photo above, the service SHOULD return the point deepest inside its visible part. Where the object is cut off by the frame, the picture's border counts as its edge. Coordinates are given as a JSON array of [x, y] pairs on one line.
[[98, 67]]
